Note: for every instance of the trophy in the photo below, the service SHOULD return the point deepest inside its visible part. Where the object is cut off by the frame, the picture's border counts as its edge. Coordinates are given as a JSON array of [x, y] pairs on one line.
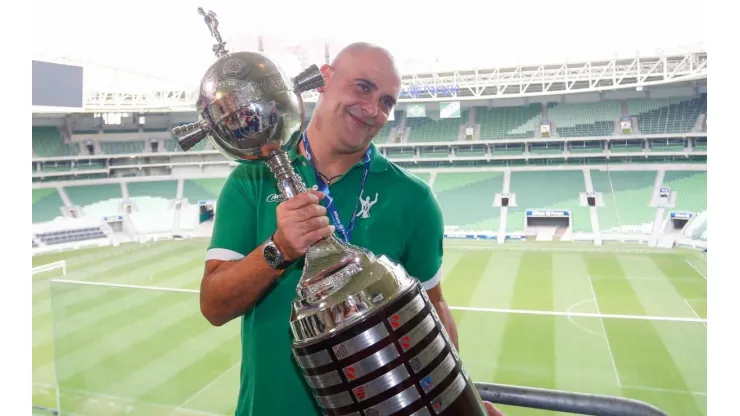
[[365, 334]]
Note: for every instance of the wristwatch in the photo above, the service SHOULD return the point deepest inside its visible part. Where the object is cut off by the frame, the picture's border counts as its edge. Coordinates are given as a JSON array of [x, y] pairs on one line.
[[274, 257]]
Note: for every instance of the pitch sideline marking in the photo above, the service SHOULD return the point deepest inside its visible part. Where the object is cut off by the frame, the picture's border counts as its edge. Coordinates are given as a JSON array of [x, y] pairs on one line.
[[606, 336], [694, 311], [697, 270], [461, 308], [124, 400], [211, 383], [581, 314], [699, 393], [121, 285]]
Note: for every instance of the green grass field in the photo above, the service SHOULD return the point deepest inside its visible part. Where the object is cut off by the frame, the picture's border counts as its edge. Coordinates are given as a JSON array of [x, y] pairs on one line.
[[616, 320]]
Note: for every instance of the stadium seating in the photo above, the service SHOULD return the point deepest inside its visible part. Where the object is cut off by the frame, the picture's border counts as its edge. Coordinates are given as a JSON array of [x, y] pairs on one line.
[[46, 205], [508, 122], [467, 199], [161, 189], [633, 191], [70, 236], [90, 194], [625, 146], [548, 190], [48, 141], [435, 129], [195, 190], [690, 188], [436, 152], [424, 176], [384, 133], [468, 151], [173, 146], [112, 148], [586, 119], [400, 153], [669, 115]]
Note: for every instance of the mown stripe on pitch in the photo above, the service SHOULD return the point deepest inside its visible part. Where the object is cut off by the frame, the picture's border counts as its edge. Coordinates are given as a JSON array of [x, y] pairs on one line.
[[105, 302], [496, 288], [461, 281], [74, 357], [656, 293], [534, 285], [677, 270], [151, 365], [639, 353], [527, 355], [117, 313], [191, 380]]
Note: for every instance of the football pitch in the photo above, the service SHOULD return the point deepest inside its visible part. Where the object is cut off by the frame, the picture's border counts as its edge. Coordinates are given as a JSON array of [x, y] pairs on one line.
[[617, 320]]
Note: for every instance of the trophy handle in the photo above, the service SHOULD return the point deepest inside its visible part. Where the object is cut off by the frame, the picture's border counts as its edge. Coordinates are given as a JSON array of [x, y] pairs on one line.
[[289, 183]]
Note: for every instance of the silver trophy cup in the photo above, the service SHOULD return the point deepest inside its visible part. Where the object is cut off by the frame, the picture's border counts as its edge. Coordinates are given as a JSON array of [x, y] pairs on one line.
[[365, 334]]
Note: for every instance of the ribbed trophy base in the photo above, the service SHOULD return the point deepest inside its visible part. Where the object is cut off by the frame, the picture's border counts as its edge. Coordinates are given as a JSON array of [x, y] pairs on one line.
[[398, 361]]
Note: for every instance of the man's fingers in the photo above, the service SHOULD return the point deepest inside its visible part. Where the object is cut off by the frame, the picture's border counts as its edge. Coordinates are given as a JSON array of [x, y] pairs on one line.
[[301, 200], [317, 235]]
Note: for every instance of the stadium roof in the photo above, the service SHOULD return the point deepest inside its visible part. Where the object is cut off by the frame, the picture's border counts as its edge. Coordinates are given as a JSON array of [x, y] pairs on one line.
[[143, 45]]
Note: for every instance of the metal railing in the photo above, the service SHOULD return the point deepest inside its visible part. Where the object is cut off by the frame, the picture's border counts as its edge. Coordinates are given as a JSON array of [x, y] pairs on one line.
[[562, 401]]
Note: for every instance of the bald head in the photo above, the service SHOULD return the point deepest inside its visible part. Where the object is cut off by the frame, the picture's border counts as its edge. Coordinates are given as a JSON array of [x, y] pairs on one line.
[[362, 85], [365, 49]]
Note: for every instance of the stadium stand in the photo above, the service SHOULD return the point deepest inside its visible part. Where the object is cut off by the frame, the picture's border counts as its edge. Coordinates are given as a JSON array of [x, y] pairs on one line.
[[508, 122], [586, 119], [90, 194], [690, 188], [548, 190], [435, 129], [669, 115], [48, 142], [46, 205], [195, 190], [111, 148], [162, 189], [384, 133], [628, 204], [172, 146], [467, 199]]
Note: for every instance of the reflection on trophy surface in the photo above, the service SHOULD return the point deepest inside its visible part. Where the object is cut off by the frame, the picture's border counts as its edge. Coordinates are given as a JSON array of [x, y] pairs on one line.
[[365, 334]]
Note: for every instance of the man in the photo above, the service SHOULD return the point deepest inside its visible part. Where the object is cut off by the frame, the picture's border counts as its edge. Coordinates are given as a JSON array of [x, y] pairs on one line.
[[403, 222]]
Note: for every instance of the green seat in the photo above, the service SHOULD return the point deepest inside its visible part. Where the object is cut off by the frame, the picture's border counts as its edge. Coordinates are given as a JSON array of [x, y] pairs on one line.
[[467, 199], [548, 190], [629, 203]]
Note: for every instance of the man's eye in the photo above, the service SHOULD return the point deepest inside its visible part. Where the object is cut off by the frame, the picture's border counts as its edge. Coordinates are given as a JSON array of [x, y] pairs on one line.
[[364, 88]]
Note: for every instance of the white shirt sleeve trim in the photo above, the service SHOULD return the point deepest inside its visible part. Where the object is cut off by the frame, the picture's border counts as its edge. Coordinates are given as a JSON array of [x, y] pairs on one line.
[[223, 254], [434, 281]]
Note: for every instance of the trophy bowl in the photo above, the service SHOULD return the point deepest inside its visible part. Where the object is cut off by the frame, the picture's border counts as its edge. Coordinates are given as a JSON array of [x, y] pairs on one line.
[[365, 334]]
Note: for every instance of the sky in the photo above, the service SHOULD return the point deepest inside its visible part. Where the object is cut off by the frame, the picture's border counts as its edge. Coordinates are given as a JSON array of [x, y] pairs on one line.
[[168, 41]]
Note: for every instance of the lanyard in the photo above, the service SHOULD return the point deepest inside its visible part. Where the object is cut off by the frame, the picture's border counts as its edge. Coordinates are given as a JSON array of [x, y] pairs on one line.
[[331, 207]]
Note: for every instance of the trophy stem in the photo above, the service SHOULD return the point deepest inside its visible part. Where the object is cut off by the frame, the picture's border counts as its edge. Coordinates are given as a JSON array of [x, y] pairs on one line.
[[289, 183]]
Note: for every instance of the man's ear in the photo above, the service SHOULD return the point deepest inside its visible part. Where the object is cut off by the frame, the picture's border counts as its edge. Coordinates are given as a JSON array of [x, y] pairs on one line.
[[326, 71]]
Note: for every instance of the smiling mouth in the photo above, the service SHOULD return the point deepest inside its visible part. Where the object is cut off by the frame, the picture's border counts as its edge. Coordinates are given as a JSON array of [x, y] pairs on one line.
[[360, 122]]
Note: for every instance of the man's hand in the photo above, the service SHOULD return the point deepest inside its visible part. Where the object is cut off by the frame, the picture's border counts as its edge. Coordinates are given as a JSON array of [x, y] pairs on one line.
[[491, 409], [301, 221]]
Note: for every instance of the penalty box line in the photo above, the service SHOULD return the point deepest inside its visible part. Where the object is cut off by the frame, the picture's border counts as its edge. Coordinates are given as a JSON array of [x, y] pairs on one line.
[[460, 308], [580, 314]]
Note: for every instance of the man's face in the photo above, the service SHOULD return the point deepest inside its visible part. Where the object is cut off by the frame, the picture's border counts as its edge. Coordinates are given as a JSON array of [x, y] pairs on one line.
[[358, 97]]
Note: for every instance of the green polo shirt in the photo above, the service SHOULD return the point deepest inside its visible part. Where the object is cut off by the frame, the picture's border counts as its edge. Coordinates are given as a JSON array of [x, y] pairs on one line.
[[403, 221]]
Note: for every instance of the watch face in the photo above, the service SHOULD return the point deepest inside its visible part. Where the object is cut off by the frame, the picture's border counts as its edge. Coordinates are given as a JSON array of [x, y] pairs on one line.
[[271, 255]]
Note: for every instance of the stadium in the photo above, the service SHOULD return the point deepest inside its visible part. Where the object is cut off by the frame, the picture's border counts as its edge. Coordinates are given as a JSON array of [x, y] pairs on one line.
[[574, 197]]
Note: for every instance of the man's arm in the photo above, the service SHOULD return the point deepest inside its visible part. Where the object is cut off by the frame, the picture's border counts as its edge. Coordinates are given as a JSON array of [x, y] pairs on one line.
[[229, 288], [440, 305], [236, 273]]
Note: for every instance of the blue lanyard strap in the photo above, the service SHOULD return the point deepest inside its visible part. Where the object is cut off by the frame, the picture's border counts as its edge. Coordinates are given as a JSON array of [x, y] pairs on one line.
[[331, 207]]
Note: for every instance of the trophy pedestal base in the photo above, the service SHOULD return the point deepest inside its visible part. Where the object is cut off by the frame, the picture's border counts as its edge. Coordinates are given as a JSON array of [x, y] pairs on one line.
[[397, 361]]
